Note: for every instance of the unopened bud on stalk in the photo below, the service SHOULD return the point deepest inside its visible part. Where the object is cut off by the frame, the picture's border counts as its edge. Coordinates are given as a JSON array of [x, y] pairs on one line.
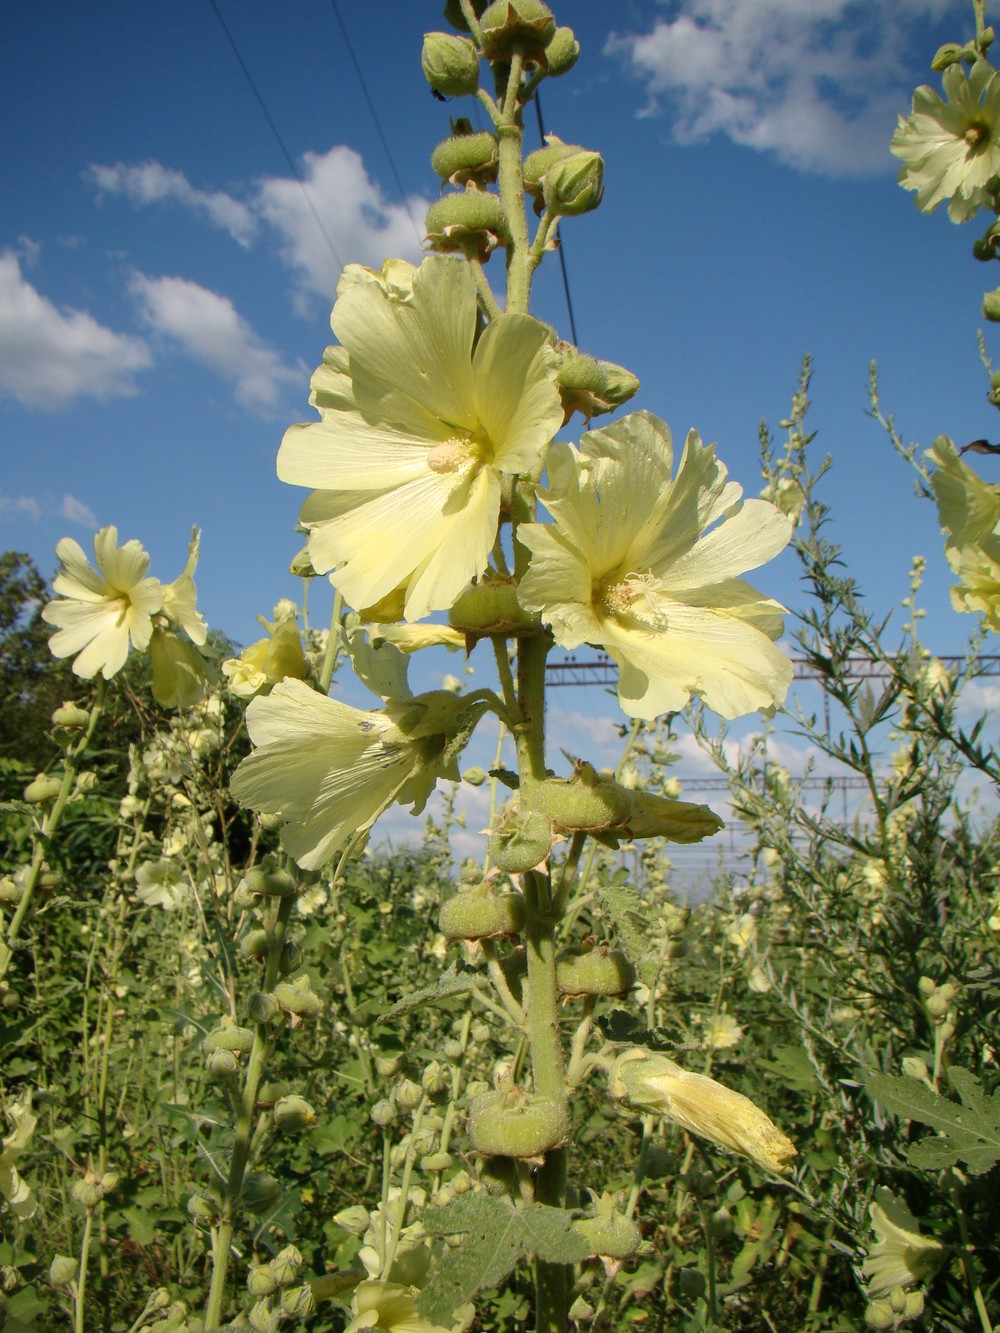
[[542, 160], [481, 914], [562, 52], [298, 998], [302, 566], [599, 971], [290, 958], [621, 384], [298, 1302], [435, 1080], [948, 54], [292, 1115], [491, 607], [222, 1065], [510, 1122], [383, 1113], [409, 1095], [287, 1264], [270, 882], [262, 1007], [254, 943], [388, 1066], [229, 1037], [261, 1281], [63, 1270], [260, 1192], [521, 840], [517, 25], [450, 64], [467, 157], [991, 305], [71, 716], [42, 790], [470, 222], [588, 802], [575, 185]]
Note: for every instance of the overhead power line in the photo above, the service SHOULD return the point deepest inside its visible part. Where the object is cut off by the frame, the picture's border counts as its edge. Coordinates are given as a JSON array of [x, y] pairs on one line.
[[602, 671], [562, 248], [274, 130]]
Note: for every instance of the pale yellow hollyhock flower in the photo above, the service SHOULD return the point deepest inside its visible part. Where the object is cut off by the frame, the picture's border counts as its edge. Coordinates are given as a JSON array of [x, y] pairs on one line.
[[901, 1255], [950, 149], [392, 1308], [419, 421], [179, 597], [969, 513], [19, 1197], [645, 1081], [722, 1032], [269, 660], [629, 565], [330, 770], [99, 612]]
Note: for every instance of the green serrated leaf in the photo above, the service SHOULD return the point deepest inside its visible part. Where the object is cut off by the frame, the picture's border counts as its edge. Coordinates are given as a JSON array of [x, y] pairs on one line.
[[793, 1068], [969, 1133], [549, 1235], [493, 1239], [459, 979], [630, 918]]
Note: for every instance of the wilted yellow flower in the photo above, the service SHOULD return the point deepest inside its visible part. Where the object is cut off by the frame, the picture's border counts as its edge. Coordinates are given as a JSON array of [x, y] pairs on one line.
[[330, 770], [742, 932], [99, 612], [19, 1197], [269, 660], [951, 149], [646, 1081], [419, 420], [901, 1255], [179, 597], [629, 564], [969, 512]]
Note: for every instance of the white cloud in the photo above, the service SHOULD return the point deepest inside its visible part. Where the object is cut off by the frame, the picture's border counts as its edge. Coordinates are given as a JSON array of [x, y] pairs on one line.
[[337, 213], [208, 328], [152, 183], [49, 358], [358, 222], [818, 83], [69, 508], [75, 511], [21, 504]]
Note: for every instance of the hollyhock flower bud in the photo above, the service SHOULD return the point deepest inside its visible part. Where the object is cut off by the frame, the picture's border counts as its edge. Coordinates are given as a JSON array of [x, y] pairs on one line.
[[946, 55], [481, 914], [262, 1007], [70, 716], [292, 1115], [261, 1281], [222, 1065], [521, 840], [510, 1122], [42, 790], [254, 943], [467, 157], [538, 163], [287, 1264], [473, 220], [517, 25], [621, 384], [435, 1080], [63, 1270], [298, 998], [574, 185], [450, 64], [589, 801], [298, 1302], [409, 1095], [260, 1192], [228, 1037], [270, 882], [599, 971], [991, 305], [562, 52], [491, 607]]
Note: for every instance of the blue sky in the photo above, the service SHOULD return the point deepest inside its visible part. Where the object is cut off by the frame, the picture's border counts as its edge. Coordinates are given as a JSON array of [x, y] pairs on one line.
[[165, 287]]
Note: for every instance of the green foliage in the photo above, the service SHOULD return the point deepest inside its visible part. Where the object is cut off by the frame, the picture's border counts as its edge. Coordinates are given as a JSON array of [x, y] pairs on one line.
[[968, 1133]]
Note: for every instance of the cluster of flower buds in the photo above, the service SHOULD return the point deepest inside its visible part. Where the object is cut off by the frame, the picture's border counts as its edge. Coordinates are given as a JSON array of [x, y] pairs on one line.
[[278, 1294]]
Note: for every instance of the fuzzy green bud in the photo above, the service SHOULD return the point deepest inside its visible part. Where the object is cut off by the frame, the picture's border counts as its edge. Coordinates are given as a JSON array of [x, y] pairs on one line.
[[254, 943], [302, 566], [287, 1265], [63, 1270], [435, 1080], [575, 185], [470, 222], [613, 1236], [10, 891], [949, 54], [222, 1065], [43, 789], [270, 882], [467, 157], [228, 1037], [521, 840], [353, 1219], [298, 998], [93, 1187], [298, 1302], [452, 1050], [290, 958], [914, 1067], [260, 1192], [450, 64], [481, 914], [562, 52], [70, 716], [474, 776], [455, 16], [542, 160], [509, 1122], [491, 607], [621, 384], [292, 1114], [262, 1007], [586, 802], [202, 1208], [527, 25], [383, 1113], [599, 971], [409, 1095], [261, 1281], [879, 1315], [991, 305], [388, 1066]]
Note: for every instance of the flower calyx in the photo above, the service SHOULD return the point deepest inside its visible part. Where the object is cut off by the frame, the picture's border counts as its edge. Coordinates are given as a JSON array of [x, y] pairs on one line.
[[472, 223], [467, 157], [490, 606], [480, 913], [509, 26], [511, 1122], [593, 969]]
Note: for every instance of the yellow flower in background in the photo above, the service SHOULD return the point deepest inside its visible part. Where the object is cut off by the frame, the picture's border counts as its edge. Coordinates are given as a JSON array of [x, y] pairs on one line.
[[950, 149], [646, 1081], [722, 1032], [278, 657], [901, 1256], [99, 613], [969, 513], [420, 418], [391, 1307], [630, 565], [329, 770], [13, 1189]]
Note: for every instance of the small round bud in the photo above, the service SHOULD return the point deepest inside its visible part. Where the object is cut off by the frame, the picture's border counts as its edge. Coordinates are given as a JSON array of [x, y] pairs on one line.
[[474, 776], [991, 305], [388, 1066], [10, 891], [302, 566], [261, 1281], [43, 789], [287, 1264], [513, 1123], [467, 157], [71, 717], [986, 38], [721, 1223], [299, 1302], [409, 1095], [562, 52], [491, 607], [262, 1007], [452, 1050], [290, 958], [254, 944], [575, 185], [521, 840], [480, 1032], [383, 1113], [946, 55], [481, 914], [353, 1219], [597, 971], [228, 1037], [613, 1236], [298, 998], [222, 1065], [292, 1115], [913, 1306], [436, 1161], [538, 163], [913, 1067], [470, 222], [270, 882], [621, 384], [260, 1192], [63, 1270], [202, 1208], [526, 25], [435, 1080], [450, 64]]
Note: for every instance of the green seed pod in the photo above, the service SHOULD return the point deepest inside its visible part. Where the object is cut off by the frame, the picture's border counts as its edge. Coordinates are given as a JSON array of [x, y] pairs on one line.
[[467, 157], [261, 1281], [292, 1115], [491, 607], [472, 221], [270, 882], [299, 1302], [262, 1007], [562, 52], [260, 1192], [70, 716], [481, 915], [228, 1037], [613, 1237], [595, 972], [270, 1092], [290, 958], [222, 1065], [513, 1123], [539, 162], [574, 185], [437, 1161], [588, 801], [525, 25], [298, 998], [991, 305], [450, 64], [578, 371], [63, 1270], [521, 840], [287, 1264], [254, 944], [202, 1208], [42, 790], [949, 54]]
